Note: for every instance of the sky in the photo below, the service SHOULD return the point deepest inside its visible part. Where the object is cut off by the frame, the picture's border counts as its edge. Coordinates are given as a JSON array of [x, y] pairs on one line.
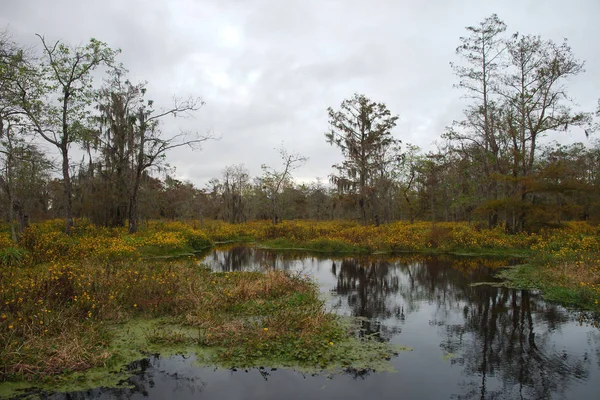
[[269, 69]]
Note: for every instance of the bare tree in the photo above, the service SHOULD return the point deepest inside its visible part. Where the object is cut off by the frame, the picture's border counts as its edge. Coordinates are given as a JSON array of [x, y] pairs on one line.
[[273, 181], [235, 186]]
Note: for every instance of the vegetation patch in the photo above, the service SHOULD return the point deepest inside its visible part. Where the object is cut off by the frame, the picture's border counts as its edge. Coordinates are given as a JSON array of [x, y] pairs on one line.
[[315, 245], [568, 284], [62, 319]]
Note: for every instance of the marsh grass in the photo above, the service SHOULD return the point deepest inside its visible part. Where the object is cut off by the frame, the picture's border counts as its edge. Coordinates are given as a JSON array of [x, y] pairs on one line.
[[569, 283]]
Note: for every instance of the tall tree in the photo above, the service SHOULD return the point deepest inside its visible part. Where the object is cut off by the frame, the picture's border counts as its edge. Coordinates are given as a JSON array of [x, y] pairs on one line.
[[67, 73], [361, 128], [482, 59], [116, 102], [518, 93], [536, 102], [133, 142]]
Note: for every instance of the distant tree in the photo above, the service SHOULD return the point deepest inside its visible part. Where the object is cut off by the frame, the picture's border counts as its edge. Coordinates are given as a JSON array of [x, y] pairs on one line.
[[293, 201], [235, 186], [178, 199], [406, 174], [562, 183], [273, 181], [319, 201], [150, 199], [361, 129]]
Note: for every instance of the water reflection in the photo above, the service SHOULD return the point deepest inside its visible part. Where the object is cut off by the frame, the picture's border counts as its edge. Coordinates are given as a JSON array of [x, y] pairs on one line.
[[367, 287], [471, 342], [508, 342]]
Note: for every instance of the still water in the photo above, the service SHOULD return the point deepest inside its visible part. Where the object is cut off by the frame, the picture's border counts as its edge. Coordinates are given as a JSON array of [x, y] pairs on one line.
[[470, 342]]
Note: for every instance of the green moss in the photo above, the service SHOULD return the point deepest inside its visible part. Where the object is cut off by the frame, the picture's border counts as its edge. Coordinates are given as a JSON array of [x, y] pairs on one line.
[[448, 356]]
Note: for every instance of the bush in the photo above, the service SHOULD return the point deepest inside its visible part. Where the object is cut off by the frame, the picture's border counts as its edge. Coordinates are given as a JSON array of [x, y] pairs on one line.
[[197, 240]]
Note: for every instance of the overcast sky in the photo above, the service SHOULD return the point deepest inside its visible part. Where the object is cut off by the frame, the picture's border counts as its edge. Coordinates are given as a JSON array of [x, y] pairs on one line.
[[268, 69]]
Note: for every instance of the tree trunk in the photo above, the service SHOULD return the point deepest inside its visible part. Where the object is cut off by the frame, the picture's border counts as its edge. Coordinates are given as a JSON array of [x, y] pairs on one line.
[[273, 212], [11, 219], [67, 188], [363, 211], [133, 201], [22, 217], [133, 222], [411, 215]]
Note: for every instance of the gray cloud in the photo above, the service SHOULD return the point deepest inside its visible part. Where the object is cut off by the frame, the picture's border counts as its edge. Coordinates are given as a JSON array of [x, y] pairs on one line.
[[269, 69]]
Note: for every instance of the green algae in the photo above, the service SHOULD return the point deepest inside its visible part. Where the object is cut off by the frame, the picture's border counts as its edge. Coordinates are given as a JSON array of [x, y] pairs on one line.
[[448, 356]]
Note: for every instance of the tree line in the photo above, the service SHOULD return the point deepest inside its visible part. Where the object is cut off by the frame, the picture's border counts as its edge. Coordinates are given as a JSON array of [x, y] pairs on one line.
[[491, 167]]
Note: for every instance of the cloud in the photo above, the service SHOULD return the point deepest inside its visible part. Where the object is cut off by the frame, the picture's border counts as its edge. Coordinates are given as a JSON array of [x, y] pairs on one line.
[[269, 69]]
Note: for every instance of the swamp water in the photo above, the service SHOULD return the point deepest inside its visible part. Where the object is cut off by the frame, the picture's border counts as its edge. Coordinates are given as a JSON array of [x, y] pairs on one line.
[[469, 342]]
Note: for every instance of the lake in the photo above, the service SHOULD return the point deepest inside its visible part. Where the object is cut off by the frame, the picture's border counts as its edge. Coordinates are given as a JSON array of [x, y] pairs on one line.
[[469, 342]]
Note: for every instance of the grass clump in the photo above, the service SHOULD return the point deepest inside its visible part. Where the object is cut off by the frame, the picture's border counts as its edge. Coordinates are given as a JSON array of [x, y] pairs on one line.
[[12, 256]]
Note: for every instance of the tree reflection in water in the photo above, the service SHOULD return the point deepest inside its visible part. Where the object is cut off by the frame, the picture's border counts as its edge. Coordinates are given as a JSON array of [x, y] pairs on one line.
[[498, 333], [496, 336], [369, 287]]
